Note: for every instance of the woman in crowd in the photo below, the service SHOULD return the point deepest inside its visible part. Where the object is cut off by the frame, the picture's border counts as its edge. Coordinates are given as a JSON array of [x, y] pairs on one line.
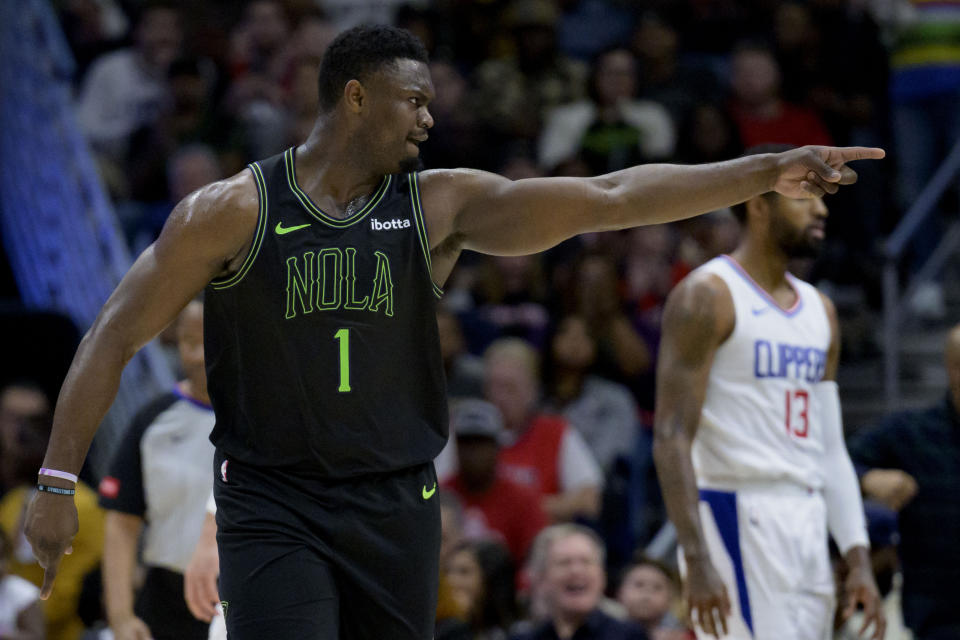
[[480, 575]]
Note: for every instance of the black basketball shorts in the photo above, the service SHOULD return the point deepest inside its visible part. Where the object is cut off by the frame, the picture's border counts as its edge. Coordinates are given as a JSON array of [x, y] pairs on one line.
[[312, 559], [160, 604]]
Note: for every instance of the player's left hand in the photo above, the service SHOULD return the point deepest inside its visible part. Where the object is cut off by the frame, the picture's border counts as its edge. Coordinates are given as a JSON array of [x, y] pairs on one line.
[[860, 589], [50, 524], [812, 172], [200, 589]]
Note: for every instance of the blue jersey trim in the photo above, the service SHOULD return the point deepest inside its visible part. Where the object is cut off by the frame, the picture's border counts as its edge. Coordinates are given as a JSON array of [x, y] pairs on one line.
[[723, 504], [792, 311]]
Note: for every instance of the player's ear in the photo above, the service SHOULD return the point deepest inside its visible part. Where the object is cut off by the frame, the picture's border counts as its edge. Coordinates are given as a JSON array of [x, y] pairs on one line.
[[354, 96], [757, 207]]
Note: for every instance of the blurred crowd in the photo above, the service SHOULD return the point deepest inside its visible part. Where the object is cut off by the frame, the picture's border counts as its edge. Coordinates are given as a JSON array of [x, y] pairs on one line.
[[174, 95], [551, 507]]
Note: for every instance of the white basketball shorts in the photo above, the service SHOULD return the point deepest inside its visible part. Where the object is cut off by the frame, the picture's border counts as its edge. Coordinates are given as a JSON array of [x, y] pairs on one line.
[[769, 545]]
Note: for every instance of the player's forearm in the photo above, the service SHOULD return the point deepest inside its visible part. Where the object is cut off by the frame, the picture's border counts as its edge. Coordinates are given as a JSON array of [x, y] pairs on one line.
[[119, 560], [845, 515], [655, 193], [841, 491], [208, 533], [671, 455], [858, 558], [87, 394]]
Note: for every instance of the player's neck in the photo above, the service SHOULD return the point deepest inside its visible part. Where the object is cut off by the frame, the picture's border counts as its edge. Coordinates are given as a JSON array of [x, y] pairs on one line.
[[331, 168], [767, 267]]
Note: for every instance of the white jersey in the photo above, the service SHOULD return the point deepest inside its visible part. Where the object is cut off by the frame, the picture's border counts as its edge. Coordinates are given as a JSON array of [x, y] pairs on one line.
[[760, 422]]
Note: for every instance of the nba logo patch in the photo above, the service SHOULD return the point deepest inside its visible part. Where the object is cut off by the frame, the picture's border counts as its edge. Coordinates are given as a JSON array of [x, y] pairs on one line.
[[223, 470], [109, 487]]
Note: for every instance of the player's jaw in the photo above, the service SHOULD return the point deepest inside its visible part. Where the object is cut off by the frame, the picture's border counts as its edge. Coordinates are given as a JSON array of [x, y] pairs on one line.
[[803, 235], [399, 145], [802, 243], [415, 139], [411, 159], [393, 152]]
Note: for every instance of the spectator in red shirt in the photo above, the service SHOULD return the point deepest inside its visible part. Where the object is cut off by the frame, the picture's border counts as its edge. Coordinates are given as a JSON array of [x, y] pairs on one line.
[[540, 451], [494, 507], [759, 111]]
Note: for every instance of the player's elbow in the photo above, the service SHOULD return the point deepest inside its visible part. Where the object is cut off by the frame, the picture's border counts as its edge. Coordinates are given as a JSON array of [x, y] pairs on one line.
[[611, 204], [110, 341], [669, 441]]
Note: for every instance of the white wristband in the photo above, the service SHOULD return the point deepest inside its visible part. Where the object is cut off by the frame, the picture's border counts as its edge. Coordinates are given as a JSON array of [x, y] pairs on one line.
[[53, 473]]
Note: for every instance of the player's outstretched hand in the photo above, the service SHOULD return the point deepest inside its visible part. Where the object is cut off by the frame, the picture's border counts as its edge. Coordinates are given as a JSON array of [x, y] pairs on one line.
[[707, 598], [811, 171], [200, 577], [50, 524], [861, 589]]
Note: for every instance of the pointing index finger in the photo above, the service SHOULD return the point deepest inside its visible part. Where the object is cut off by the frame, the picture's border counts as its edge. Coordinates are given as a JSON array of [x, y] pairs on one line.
[[49, 575], [860, 153]]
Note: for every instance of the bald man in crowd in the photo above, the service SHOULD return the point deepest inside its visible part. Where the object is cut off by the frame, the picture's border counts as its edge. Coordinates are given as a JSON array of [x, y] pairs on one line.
[[910, 461]]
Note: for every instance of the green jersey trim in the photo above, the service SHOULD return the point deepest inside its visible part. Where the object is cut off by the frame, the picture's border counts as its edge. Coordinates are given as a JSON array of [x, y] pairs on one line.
[[317, 212], [257, 238], [422, 230]]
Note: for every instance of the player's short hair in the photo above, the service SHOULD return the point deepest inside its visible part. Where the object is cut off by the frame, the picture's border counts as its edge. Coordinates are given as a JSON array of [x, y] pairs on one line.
[[361, 51], [740, 209]]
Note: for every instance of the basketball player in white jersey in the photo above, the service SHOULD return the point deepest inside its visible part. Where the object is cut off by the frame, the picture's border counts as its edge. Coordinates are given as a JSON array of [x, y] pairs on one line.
[[749, 442]]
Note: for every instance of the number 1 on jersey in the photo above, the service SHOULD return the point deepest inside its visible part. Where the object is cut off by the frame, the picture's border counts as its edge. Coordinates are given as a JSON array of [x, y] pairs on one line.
[[343, 337]]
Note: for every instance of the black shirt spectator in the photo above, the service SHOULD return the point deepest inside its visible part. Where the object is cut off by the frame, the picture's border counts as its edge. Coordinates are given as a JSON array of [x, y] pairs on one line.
[[926, 445], [598, 626], [566, 592]]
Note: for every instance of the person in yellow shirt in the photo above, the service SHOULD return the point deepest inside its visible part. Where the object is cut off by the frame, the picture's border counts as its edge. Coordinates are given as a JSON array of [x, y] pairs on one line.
[[63, 622]]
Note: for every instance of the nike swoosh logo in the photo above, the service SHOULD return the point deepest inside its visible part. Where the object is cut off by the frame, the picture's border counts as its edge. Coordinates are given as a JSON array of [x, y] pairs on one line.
[[429, 494], [282, 230], [760, 311]]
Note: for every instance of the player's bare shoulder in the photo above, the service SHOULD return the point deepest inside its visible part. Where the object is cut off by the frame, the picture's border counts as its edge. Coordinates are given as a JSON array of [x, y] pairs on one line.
[[445, 194], [699, 308], [454, 185], [218, 220], [829, 307], [833, 355]]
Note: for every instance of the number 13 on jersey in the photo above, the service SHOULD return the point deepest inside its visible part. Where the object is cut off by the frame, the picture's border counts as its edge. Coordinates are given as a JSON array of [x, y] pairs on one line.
[[798, 410]]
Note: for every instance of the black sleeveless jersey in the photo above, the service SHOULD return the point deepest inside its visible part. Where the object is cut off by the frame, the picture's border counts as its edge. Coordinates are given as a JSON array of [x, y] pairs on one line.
[[322, 350]]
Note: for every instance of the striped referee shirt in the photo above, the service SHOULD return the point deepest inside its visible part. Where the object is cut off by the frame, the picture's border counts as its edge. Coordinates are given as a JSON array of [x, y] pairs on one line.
[[162, 472]]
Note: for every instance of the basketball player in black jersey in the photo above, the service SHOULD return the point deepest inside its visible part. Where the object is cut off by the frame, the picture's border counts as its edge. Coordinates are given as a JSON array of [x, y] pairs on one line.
[[321, 267]]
